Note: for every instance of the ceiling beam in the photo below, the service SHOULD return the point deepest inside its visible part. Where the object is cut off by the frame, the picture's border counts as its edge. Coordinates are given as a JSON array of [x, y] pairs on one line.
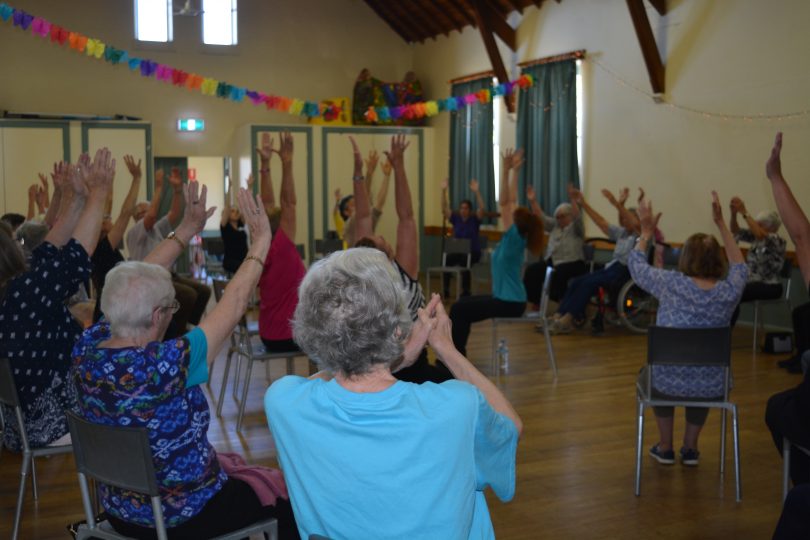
[[649, 48], [429, 29], [463, 10], [401, 32], [453, 24], [660, 6], [497, 22], [487, 33]]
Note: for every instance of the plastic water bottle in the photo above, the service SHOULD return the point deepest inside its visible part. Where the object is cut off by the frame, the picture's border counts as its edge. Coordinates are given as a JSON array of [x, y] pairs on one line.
[[503, 355]]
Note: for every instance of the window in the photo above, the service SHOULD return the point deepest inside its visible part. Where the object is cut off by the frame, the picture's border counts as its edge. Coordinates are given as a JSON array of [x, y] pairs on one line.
[[579, 119], [497, 111], [153, 20], [219, 22]]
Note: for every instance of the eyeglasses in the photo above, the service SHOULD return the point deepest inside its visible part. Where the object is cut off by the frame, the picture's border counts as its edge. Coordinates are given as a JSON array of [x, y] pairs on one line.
[[174, 307]]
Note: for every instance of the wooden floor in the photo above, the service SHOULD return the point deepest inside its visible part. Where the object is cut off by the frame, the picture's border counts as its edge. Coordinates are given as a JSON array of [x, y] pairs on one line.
[[575, 460]]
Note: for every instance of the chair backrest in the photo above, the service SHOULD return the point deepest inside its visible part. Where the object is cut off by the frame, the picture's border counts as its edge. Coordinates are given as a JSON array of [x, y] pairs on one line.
[[689, 346], [328, 245], [8, 391], [456, 246], [113, 455]]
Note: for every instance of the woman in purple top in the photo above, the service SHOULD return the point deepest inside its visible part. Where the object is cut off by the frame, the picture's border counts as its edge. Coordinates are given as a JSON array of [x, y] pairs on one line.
[[695, 296], [466, 224]]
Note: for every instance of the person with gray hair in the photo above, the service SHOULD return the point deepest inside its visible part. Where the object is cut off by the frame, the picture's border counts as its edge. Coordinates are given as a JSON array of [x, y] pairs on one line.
[[563, 251], [125, 374], [766, 253], [366, 455]]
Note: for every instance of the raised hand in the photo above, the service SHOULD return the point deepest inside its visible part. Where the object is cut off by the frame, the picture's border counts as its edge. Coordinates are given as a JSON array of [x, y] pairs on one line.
[[250, 182], [176, 179], [358, 158], [640, 195], [517, 159], [648, 220], [338, 195], [195, 214], [159, 175], [396, 155], [530, 194], [773, 167], [610, 197], [574, 194], [474, 186], [624, 193], [32, 192], [386, 167], [133, 168], [371, 162], [75, 177], [286, 147], [43, 179], [420, 332], [98, 174], [266, 149], [446, 184], [717, 210], [737, 205], [441, 336], [254, 216]]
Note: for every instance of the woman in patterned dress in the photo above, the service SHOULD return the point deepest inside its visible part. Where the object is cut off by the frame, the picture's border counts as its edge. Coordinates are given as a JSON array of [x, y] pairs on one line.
[[696, 295], [37, 331], [126, 375]]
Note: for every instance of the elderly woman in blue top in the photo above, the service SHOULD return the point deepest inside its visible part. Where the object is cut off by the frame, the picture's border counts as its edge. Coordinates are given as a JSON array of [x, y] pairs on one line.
[[366, 455], [524, 230], [37, 332], [696, 295], [126, 375]]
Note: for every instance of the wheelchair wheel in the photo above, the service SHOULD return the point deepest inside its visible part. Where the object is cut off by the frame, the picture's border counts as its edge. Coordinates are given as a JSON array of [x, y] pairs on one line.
[[636, 307]]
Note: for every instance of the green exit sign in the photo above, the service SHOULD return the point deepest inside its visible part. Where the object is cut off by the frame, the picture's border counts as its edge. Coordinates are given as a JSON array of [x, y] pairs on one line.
[[190, 124]]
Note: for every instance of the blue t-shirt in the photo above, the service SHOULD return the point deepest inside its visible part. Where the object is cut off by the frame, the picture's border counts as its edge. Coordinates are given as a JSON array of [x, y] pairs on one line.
[[155, 387], [411, 461], [507, 263]]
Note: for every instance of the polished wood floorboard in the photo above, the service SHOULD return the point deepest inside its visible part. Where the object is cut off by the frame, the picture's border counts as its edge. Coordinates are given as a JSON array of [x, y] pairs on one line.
[[575, 460]]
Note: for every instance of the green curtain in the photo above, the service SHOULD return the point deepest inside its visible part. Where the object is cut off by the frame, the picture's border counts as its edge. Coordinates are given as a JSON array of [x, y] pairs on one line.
[[547, 131], [471, 147]]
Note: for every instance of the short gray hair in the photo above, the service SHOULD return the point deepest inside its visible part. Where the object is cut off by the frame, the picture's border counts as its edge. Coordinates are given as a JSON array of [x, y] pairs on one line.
[[352, 312], [31, 234], [132, 290], [563, 208], [769, 219]]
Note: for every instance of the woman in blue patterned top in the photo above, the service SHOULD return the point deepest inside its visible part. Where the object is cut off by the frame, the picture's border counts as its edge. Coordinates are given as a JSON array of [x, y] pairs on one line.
[[696, 295], [37, 331], [126, 375]]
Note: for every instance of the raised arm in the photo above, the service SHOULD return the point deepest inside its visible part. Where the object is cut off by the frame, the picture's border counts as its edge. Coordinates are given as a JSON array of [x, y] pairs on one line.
[[625, 215], [363, 224], [479, 201], [150, 217], [73, 196], [597, 218], [287, 193], [531, 196], [176, 208], [382, 195], [371, 167], [441, 341], [794, 219], [219, 323], [738, 207], [507, 199], [733, 252], [128, 206], [573, 193], [265, 152], [407, 254], [446, 210], [32, 198], [194, 218], [53, 207], [226, 210], [98, 179]]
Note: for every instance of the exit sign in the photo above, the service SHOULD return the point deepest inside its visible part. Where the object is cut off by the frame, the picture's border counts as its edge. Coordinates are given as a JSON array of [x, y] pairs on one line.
[[190, 124]]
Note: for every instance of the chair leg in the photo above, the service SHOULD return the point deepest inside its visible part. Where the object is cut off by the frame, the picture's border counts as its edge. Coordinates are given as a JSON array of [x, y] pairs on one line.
[[26, 463], [224, 383], [722, 441], [756, 325], [639, 444], [785, 467], [237, 372], [736, 433], [245, 386], [290, 365], [550, 349], [34, 478]]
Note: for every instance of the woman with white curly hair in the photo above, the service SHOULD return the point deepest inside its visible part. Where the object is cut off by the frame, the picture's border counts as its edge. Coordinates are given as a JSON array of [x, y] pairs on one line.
[[366, 455]]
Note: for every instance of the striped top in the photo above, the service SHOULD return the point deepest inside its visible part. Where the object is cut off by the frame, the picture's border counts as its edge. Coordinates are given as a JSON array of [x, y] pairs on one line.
[[413, 290]]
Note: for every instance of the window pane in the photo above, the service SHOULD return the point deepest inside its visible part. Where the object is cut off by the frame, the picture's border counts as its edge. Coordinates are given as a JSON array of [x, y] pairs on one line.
[[153, 20], [219, 22]]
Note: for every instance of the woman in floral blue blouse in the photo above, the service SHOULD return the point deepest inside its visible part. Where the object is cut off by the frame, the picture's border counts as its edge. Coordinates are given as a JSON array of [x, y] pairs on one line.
[[699, 294], [126, 375]]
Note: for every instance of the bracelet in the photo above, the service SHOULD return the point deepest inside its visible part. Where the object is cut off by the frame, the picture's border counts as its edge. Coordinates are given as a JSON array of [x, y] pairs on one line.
[[358, 178], [255, 258], [173, 236]]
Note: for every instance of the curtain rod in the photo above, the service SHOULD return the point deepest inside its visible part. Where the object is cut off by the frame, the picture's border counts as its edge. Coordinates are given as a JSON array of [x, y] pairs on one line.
[[576, 55], [472, 77]]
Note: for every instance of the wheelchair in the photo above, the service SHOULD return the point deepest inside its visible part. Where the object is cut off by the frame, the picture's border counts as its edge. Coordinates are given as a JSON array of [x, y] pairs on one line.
[[622, 303]]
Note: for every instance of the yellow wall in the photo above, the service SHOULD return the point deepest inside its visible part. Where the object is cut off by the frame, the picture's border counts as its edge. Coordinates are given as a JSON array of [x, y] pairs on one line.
[[726, 57]]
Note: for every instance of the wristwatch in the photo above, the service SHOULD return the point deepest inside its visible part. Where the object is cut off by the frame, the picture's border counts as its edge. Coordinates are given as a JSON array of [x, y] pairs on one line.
[[358, 178]]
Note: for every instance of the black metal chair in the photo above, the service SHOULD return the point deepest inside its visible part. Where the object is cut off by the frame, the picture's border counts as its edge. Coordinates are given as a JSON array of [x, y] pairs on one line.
[[453, 246], [121, 457], [689, 347]]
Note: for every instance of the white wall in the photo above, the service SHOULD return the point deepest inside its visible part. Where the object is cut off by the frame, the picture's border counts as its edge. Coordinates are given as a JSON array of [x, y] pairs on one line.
[[726, 57]]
